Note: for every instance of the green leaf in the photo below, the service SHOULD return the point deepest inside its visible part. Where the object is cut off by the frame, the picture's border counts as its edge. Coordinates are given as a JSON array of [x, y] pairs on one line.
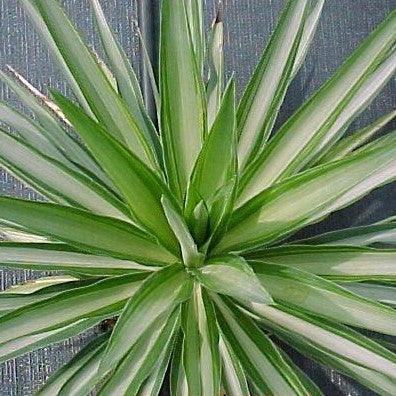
[[201, 358], [356, 139], [61, 257], [372, 379], [372, 291], [178, 380], [357, 236], [12, 235], [55, 181], [157, 297], [191, 256], [52, 130], [214, 88], [214, 166], [129, 375], [92, 233], [234, 379], [311, 293], [102, 298], [139, 185], [297, 141], [310, 25], [259, 357], [232, 276], [41, 28], [266, 90], [77, 376], [310, 196], [127, 81], [335, 262], [105, 103], [337, 339], [182, 113], [26, 344]]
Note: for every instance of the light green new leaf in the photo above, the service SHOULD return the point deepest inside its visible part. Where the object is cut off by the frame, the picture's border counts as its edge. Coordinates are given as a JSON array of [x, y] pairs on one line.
[[308, 197], [214, 88], [129, 375], [141, 188], [56, 181], [190, 254], [266, 90], [233, 377], [182, 112], [311, 293], [356, 139], [157, 297], [89, 232], [61, 257], [378, 382], [14, 348], [339, 340], [79, 375], [310, 25], [9, 234], [127, 81], [381, 293], [102, 298], [297, 141], [41, 28], [259, 357], [105, 103], [201, 358], [335, 262], [232, 276], [214, 167], [357, 236]]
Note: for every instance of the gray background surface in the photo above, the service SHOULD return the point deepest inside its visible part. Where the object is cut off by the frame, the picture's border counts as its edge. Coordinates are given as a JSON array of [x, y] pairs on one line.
[[344, 24]]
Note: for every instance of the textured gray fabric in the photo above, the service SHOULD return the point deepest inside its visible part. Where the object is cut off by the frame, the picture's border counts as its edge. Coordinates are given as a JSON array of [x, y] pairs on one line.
[[344, 24], [21, 48]]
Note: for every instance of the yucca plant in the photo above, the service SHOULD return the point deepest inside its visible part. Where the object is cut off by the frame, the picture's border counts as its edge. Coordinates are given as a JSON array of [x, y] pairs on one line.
[[181, 235]]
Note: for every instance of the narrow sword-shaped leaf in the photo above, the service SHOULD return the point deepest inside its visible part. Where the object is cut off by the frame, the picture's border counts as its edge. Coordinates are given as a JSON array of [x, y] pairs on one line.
[[310, 25], [92, 233], [61, 257], [177, 380], [201, 358], [104, 297], [26, 344], [374, 380], [182, 113], [190, 254], [105, 103], [295, 143], [266, 90], [12, 235], [129, 375], [356, 139], [214, 166], [367, 91], [83, 363], [357, 236], [234, 378], [311, 293], [41, 28], [340, 340], [140, 186], [232, 276], [259, 357], [336, 262], [157, 297], [310, 196], [381, 293], [57, 182], [127, 81], [214, 88]]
